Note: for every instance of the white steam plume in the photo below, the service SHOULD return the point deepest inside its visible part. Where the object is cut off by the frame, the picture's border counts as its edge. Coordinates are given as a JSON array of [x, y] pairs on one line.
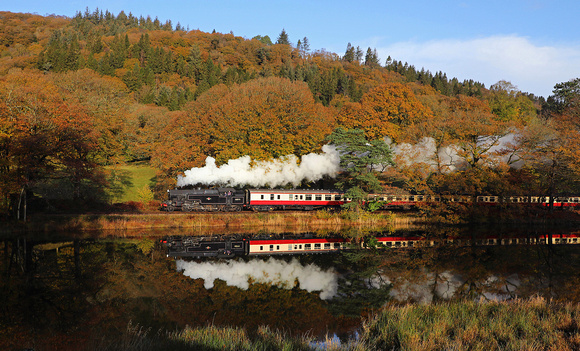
[[283, 274], [426, 152], [282, 171]]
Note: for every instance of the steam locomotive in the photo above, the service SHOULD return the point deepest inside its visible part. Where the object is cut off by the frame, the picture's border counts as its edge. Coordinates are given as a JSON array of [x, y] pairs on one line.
[[229, 247], [229, 199]]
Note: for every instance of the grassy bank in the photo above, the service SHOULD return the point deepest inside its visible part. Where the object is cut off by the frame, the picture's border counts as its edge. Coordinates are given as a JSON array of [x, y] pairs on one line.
[[218, 223], [534, 324]]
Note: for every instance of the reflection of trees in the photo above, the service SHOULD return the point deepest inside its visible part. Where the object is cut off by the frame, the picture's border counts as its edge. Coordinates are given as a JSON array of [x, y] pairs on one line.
[[83, 290], [362, 286], [474, 272]]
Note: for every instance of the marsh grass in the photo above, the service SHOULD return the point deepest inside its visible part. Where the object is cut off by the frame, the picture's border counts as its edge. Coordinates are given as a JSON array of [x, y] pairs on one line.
[[534, 324], [204, 223]]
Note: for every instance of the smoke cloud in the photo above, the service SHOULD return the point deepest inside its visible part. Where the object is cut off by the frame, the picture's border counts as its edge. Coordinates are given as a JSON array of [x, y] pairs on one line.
[[280, 273], [448, 157], [278, 172]]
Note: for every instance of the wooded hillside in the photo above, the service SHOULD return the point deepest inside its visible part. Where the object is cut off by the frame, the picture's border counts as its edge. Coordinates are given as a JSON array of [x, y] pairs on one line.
[[81, 95]]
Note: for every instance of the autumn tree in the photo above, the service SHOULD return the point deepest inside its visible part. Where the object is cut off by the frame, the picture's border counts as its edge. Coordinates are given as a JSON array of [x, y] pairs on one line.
[[44, 137], [384, 111], [509, 104], [264, 118]]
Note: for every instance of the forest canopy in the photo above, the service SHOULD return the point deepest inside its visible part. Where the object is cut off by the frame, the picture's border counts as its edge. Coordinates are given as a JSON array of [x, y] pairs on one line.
[[81, 95]]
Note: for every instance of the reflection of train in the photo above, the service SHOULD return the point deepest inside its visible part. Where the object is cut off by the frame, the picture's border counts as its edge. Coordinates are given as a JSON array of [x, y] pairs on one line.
[[229, 199], [227, 247], [230, 247]]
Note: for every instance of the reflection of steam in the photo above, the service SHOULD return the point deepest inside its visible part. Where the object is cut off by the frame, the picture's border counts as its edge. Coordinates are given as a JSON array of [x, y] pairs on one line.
[[446, 285], [283, 274], [282, 171]]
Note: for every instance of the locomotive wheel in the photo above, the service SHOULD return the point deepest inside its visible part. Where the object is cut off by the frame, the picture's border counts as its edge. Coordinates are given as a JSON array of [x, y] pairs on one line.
[[170, 208]]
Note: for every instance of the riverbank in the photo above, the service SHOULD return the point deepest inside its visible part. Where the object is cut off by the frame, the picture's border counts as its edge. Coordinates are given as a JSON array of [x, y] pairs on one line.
[[534, 324], [214, 223]]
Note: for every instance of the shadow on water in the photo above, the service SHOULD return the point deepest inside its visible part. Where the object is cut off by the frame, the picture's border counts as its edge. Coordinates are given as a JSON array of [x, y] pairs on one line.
[[59, 293]]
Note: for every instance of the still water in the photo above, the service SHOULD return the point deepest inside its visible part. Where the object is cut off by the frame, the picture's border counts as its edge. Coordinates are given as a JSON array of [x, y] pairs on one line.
[[79, 290]]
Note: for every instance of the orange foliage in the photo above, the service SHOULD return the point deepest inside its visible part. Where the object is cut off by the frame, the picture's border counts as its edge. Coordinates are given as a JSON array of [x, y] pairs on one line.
[[384, 110], [42, 134]]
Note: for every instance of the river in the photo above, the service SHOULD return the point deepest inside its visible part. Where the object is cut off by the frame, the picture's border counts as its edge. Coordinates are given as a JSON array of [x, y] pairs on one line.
[[77, 289]]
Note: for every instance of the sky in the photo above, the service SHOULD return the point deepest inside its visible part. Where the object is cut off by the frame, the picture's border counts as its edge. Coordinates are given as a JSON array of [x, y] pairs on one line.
[[533, 44]]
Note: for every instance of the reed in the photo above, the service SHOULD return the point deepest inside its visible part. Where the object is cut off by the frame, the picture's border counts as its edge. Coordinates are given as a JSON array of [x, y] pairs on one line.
[[534, 324], [212, 222]]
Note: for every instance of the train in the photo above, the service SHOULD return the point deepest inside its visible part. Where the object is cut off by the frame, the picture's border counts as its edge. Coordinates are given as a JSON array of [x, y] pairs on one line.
[[233, 200], [230, 247]]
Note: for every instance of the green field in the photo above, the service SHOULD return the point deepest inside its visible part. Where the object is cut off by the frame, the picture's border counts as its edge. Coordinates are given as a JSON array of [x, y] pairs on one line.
[[131, 182]]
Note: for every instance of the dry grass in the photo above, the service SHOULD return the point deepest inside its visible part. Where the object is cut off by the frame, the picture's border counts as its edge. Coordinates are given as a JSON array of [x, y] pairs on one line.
[[222, 223], [534, 324]]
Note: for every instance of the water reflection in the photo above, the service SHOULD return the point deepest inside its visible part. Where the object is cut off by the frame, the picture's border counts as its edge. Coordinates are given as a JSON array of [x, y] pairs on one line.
[[76, 289]]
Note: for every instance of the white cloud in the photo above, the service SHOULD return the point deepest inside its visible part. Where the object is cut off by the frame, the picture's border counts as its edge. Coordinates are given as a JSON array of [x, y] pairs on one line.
[[533, 68]]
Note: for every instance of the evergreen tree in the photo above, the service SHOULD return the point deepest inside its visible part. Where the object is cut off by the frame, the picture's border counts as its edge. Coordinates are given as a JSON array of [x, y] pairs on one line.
[[358, 157], [371, 58], [358, 54], [305, 45], [283, 38], [349, 55]]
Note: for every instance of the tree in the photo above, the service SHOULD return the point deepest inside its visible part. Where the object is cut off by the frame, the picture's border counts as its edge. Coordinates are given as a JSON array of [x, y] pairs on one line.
[[360, 160], [305, 45], [283, 38], [565, 95], [509, 104], [263, 118], [372, 58], [384, 111], [44, 137], [263, 39], [349, 54]]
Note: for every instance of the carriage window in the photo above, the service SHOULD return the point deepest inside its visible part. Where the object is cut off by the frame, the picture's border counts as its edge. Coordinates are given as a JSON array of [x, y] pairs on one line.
[[271, 247], [301, 197], [308, 197], [277, 247], [291, 197], [337, 245], [337, 197], [290, 247], [318, 197], [316, 246], [278, 197], [326, 246], [261, 197], [327, 197], [308, 246], [261, 248], [271, 196]]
